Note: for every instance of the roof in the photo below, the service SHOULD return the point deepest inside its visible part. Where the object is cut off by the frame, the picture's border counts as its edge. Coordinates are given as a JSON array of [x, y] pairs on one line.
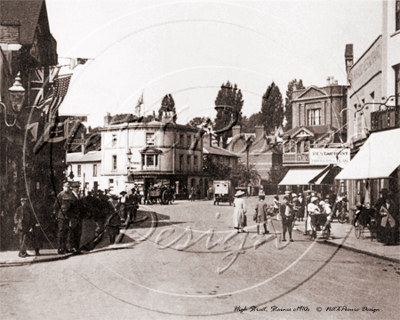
[[26, 13], [92, 156], [218, 151], [316, 130]]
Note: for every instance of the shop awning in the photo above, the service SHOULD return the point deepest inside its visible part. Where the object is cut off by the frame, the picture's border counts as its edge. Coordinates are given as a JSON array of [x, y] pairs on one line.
[[302, 176], [377, 158]]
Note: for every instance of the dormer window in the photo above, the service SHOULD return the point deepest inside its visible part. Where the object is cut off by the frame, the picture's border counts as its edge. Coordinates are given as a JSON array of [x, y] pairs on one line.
[[150, 138]]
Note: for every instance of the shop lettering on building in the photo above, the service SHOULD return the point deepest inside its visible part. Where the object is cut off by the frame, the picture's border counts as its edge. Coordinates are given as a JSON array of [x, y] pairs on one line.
[[337, 156]]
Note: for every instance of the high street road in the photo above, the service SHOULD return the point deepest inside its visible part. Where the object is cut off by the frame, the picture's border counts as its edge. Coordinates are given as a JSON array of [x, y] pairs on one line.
[[176, 270]]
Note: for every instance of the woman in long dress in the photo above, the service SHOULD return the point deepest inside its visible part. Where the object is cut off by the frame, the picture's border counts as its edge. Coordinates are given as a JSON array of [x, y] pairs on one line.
[[239, 212]]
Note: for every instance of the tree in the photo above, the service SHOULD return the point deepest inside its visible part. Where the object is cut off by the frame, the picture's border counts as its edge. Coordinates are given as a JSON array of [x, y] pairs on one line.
[[215, 169], [276, 174], [288, 101], [243, 174], [230, 100], [271, 115], [197, 121], [167, 104]]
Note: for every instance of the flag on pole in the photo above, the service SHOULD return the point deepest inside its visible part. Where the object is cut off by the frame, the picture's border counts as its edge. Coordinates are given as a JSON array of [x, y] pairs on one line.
[[138, 106], [76, 61], [60, 89], [43, 85]]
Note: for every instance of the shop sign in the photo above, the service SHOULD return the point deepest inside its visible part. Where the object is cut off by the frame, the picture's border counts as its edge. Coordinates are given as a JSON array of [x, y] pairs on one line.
[[325, 156]]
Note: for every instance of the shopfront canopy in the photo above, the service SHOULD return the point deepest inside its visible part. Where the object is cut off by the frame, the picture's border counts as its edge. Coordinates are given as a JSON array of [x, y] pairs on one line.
[[377, 158], [304, 176]]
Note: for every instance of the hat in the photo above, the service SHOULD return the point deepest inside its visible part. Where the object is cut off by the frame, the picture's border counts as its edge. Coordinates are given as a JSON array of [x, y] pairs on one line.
[[294, 195], [384, 190], [123, 192], [261, 197], [24, 199], [288, 192], [133, 189], [314, 199], [74, 184], [239, 193], [66, 183]]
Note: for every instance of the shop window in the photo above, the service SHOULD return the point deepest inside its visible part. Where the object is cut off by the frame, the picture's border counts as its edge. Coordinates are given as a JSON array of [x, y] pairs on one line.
[[189, 140], [95, 170], [181, 142], [195, 162], [188, 161], [114, 162], [79, 170]]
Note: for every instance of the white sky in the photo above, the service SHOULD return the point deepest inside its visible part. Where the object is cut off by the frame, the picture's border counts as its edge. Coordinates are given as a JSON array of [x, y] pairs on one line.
[[189, 48]]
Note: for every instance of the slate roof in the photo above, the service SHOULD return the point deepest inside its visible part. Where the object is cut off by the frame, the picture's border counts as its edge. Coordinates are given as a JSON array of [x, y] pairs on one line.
[[92, 156], [26, 12], [316, 130], [218, 151]]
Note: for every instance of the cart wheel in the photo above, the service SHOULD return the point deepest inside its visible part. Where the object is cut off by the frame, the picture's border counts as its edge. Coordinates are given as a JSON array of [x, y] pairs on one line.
[[357, 230], [313, 235]]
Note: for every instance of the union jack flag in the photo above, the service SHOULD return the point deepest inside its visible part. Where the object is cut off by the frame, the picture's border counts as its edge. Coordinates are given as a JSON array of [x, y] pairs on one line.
[[41, 84]]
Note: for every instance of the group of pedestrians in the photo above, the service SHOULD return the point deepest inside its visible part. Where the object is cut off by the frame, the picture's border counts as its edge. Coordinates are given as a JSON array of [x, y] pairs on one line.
[[70, 208]]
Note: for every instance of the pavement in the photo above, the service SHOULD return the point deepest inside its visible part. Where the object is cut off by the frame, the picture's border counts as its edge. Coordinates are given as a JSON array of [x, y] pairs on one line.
[[342, 235]]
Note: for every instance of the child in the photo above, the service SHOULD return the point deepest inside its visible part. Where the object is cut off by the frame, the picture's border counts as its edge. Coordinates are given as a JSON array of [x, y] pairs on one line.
[[260, 216], [276, 207]]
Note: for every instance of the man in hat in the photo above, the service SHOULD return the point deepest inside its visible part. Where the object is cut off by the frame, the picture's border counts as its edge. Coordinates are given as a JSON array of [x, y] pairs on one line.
[[24, 220], [287, 216], [313, 212], [62, 209], [133, 204], [76, 219]]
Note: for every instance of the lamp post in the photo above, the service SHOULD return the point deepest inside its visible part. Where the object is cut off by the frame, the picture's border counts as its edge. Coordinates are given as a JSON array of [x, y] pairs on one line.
[[17, 95]]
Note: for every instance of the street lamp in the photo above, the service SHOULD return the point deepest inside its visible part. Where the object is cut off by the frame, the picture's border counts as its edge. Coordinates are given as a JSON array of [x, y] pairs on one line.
[[17, 95]]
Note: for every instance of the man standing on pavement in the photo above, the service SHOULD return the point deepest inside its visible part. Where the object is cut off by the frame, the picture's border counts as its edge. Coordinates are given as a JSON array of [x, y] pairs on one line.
[[133, 204], [62, 209], [24, 221], [76, 219]]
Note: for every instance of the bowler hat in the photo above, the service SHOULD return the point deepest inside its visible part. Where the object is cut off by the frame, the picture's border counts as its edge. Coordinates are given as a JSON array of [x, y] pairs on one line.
[[384, 190], [122, 193]]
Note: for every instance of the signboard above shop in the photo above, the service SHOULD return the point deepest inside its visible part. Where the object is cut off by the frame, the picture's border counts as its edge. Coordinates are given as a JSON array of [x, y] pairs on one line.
[[325, 156]]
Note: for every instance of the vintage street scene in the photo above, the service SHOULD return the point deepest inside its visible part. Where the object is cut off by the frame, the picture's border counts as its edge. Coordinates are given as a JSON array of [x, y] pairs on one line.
[[199, 159]]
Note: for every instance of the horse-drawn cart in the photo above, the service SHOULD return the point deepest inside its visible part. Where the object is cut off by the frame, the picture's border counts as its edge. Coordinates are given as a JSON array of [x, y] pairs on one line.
[[162, 194]]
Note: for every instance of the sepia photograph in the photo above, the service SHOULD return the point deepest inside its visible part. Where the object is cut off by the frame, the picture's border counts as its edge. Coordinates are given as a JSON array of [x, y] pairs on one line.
[[199, 159]]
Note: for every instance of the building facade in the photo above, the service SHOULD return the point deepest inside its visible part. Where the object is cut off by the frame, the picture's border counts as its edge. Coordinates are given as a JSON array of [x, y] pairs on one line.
[[373, 112], [27, 49], [313, 149], [157, 152]]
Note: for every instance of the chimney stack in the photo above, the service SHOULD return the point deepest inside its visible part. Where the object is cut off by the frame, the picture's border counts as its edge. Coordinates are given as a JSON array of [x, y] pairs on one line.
[[348, 57], [107, 119], [236, 130], [328, 81], [259, 131]]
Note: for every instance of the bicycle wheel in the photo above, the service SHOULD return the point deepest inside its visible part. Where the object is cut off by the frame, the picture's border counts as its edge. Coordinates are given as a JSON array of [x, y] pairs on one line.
[[357, 230], [342, 217]]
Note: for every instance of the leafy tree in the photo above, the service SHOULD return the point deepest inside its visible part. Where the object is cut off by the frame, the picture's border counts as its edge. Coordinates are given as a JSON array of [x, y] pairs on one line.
[[288, 101], [276, 174], [215, 169], [271, 115], [230, 100], [197, 121], [243, 174], [167, 104]]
